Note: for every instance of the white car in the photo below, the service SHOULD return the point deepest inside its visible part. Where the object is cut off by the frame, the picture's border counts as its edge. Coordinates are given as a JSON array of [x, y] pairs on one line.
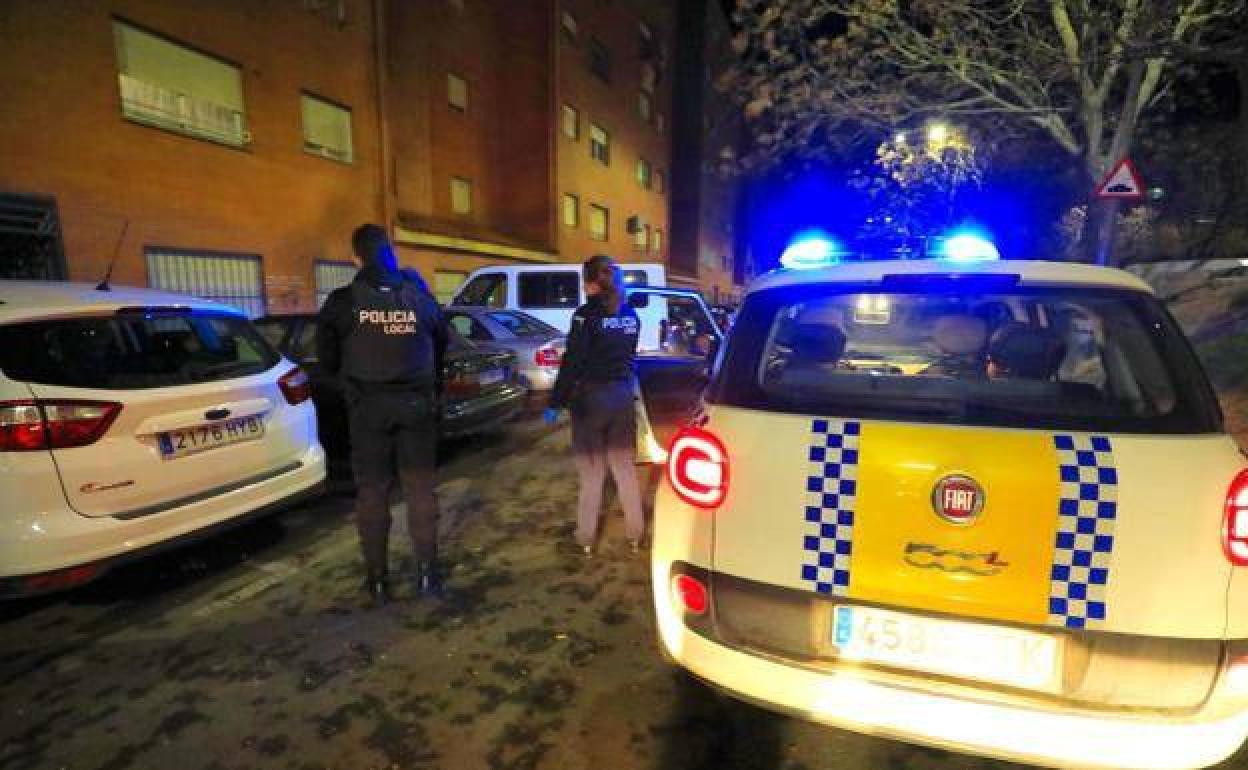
[[987, 506], [131, 419]]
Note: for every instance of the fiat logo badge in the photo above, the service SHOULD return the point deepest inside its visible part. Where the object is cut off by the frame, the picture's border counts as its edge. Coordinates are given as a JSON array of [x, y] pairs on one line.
[[958, 499]]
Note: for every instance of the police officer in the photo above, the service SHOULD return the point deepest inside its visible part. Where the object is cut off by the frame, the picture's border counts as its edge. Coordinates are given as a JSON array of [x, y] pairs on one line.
[[596, 382], [384, 337]]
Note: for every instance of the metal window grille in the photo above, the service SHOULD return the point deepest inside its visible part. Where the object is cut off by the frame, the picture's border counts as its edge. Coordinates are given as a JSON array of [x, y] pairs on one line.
[[30, 238], [331, 276], [231, 279]]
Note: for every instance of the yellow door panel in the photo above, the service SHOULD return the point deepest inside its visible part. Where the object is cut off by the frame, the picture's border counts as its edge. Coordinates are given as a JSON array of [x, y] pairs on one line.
[[905, 554]]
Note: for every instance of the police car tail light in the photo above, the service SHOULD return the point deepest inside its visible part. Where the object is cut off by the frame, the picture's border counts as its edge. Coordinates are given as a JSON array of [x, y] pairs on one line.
[[1235, 522], [548, 356], [295, 386], [33, 425], [690, 594], [697, 468]]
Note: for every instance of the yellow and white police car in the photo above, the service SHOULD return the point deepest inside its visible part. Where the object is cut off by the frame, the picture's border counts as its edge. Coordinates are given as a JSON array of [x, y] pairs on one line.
[[978, 504]]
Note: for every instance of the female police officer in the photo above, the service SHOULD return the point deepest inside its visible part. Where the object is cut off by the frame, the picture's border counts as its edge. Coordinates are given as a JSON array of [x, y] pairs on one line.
[[596, 382]]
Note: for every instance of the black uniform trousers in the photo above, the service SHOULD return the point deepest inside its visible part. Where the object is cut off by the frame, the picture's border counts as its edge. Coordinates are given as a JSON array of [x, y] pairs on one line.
[[394, 437]]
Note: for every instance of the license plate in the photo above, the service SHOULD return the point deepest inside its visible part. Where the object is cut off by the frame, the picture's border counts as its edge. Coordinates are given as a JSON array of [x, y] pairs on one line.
[[953, 648], [491, 376], [179, 443]]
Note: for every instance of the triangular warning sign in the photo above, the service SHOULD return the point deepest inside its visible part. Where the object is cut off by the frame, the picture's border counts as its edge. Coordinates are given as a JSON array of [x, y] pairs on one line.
[[1122, 182]]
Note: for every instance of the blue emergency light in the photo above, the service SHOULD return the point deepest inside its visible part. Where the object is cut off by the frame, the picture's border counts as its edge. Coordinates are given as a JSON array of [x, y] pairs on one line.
[[967, 247], [809, 250]]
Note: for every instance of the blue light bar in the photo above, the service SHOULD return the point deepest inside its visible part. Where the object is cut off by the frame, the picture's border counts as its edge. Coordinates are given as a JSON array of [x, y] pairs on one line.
[[967, 247], [811, 250]]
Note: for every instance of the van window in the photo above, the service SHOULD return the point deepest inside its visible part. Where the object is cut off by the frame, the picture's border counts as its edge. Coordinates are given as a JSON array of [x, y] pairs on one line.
[[554, 289], [134, 350], [1069, 359], [486, 290]]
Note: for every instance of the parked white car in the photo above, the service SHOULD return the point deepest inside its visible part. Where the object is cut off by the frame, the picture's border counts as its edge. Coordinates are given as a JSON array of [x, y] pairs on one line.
[[552, 293], [132, 419]]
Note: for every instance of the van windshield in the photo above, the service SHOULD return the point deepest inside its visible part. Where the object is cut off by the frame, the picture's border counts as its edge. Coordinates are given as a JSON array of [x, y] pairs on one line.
[[1071, 359], [133, 350]]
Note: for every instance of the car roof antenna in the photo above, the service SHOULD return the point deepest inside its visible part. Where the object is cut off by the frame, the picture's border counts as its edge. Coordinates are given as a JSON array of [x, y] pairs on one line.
[[108, 275]]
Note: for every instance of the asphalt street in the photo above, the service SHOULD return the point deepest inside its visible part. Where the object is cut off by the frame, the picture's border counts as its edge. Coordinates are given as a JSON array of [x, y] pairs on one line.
[[250, 651]]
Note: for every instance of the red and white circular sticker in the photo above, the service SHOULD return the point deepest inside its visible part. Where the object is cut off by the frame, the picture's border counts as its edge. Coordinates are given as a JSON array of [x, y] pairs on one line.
[[958, 499]]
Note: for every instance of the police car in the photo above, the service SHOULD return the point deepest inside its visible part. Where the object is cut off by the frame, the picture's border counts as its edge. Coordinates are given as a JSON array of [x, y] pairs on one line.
[[982, 505]]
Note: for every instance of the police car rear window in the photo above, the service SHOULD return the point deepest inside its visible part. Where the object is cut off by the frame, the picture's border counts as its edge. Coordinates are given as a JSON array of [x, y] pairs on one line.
[[1072, 359], [134, 350]]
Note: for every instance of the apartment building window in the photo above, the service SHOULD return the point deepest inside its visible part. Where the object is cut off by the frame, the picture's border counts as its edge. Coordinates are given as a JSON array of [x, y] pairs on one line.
[[570, 28], [330, 276], [599, 222], [660, 123], [645, 106], [643, 173], [641, 237], [571, 210], [571, 122], [461, 195], [656, 242], [171, 86], [599, 144], [599, 60], [326, 129], [457, 92], [232, 279], [645, 41], [649, 77], [660, 182]]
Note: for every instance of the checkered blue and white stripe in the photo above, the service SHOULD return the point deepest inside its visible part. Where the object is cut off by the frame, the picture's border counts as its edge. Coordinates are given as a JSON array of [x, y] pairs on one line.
[[831, 493], [1087, 513]]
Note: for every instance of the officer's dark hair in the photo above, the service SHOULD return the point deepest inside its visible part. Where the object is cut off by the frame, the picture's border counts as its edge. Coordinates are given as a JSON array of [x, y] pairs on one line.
[[602, 271], [367, 239]]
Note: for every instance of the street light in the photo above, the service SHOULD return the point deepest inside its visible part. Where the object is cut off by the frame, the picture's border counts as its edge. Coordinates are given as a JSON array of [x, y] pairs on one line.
[[938, 133], [899, 137]]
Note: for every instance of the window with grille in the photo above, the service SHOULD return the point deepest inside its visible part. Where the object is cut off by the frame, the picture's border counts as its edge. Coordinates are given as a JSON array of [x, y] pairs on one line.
[[599, 60], [571, 210], [231, 279], [656, 242], [643, 173], [641, 237], [599, 144], [331, 276], [599, 221], [326, 129], [170, 86], [571, 122], [461, 195]]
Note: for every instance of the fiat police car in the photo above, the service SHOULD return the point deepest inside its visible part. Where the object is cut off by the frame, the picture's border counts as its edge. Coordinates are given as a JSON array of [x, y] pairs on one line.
[[982, 505]]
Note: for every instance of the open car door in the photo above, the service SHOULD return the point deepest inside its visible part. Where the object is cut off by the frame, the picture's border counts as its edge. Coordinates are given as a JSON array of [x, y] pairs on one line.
[[673, 363]]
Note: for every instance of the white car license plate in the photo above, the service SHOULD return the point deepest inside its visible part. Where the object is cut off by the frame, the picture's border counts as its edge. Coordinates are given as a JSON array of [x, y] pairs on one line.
[[969, 650], [490, 377], [179, 443]]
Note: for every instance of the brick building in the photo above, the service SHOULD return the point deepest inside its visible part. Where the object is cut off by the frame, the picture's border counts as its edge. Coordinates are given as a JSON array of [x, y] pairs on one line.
[[228, 149]]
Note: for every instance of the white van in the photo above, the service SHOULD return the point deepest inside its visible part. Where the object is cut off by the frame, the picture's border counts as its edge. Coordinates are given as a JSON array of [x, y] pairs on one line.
[[552, 293]]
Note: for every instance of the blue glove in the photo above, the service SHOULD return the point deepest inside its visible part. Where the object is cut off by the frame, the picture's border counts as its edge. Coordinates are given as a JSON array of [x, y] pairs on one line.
[[550, 416]]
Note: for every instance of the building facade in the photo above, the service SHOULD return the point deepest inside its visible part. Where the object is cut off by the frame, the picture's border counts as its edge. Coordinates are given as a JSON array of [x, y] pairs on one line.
[[228, 149]]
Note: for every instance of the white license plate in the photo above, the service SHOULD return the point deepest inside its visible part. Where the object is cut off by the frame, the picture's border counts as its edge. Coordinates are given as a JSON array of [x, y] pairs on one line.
[[953, 648], [491, 376], [179, 443]]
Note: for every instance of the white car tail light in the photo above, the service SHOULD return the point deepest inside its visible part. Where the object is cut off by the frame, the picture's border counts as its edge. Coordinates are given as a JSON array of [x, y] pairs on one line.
[[697, 468], [1235, 521], [295, 386], [27, 426], [690, 594]]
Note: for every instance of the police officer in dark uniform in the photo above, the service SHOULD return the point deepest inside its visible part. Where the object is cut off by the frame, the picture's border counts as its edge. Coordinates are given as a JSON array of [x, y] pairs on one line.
[[596, 382], [384, 337]]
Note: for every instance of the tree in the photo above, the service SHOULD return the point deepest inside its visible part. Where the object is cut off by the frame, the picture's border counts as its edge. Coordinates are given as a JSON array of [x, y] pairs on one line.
[[816, 76]]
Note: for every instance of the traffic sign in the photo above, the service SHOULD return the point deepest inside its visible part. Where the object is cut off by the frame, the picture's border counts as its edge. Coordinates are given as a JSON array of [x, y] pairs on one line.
[[1122, 182]]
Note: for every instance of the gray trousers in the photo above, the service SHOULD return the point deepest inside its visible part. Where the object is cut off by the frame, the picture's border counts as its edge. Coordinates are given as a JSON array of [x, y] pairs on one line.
[[394, 438], [604, 437]]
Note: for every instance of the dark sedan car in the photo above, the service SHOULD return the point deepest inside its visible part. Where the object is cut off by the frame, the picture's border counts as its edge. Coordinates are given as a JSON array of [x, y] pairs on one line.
[[482, 388]]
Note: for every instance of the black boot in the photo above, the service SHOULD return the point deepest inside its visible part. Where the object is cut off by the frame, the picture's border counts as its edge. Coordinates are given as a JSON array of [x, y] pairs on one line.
[[377, 588], [428, 581]]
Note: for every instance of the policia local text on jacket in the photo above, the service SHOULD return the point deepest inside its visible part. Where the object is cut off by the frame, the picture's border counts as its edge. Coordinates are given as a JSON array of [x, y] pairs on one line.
[[595, 382], [385, 338]]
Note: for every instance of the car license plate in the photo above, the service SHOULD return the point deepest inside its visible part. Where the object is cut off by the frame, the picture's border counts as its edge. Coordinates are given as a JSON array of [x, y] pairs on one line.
[[179, 443], [491, 377], [954, 648]]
